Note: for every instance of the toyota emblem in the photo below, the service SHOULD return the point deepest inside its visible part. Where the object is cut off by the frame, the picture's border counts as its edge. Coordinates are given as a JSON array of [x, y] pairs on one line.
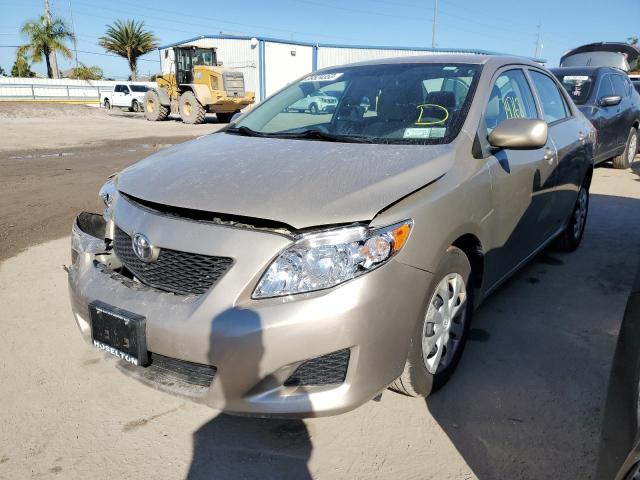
[[143, 249]]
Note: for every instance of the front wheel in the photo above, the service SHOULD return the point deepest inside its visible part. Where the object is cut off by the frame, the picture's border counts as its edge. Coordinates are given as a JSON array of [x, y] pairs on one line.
[[191, 110], [154, 111], [439, 338], [313, 108], [571, 236], [625, 159], [135, 106]]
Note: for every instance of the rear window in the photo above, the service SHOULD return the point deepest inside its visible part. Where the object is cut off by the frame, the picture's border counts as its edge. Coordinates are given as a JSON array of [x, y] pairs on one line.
[[139, 88], [578, 86]]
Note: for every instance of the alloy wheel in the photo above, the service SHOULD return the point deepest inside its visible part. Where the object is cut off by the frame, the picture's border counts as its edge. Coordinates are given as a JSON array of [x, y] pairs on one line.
[[633, 148], [444, 323], [580, 213]]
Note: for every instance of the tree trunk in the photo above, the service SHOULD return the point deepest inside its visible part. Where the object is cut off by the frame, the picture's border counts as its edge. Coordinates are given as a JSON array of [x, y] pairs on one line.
[[133, 66], [47, 59]]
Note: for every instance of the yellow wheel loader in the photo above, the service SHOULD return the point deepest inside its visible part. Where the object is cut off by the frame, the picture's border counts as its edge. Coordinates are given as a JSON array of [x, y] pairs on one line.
[[196, 85]]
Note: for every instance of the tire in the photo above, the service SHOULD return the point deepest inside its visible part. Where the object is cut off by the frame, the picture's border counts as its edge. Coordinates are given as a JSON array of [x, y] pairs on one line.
[[191, 110], [417, 380], [313, 109], [224, 117], [154, 111], [107, 104], [625, 159], [571, 236], [135, 106]]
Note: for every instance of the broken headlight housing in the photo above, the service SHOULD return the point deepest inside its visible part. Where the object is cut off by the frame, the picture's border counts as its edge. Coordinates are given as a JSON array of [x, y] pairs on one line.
[[328, 258]]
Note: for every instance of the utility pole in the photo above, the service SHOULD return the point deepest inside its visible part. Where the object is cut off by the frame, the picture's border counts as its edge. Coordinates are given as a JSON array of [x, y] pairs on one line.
[[435, 18], [52, 54], [536, 53], [75, 41]]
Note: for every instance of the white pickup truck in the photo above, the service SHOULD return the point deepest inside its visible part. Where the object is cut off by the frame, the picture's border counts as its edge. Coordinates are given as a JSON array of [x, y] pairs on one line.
[[124, 95]]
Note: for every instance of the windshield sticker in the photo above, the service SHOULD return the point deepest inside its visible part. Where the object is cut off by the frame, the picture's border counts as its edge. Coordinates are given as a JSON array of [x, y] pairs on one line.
[[427, 133], [576, 78], [322, 77]]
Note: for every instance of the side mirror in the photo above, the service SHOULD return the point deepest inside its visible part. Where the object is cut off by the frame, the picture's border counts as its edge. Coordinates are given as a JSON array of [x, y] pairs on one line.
[[610, 101], [519, 134]]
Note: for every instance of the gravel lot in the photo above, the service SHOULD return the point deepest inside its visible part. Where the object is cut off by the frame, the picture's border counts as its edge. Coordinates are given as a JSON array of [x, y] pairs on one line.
[[524, 404]]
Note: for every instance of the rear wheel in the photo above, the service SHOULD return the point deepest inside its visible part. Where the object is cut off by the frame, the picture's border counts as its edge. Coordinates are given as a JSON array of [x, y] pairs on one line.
[[224, 117], [439, 339], [107, 104], [570, 238], [191, 110], [154, 111], [625, 159]]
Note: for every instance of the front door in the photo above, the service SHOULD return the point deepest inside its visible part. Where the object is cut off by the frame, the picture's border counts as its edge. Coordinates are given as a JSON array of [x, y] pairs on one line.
[[522, 180]]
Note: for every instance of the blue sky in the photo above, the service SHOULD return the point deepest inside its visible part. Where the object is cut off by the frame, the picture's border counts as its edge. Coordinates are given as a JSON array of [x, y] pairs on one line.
[[500, 25]]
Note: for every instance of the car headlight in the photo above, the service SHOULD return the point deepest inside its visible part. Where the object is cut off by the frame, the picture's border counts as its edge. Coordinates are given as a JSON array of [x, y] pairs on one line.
[[107, 194], [328, 258]]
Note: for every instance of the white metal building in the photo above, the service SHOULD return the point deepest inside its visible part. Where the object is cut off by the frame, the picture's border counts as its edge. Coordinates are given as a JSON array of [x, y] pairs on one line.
[[268, 64]]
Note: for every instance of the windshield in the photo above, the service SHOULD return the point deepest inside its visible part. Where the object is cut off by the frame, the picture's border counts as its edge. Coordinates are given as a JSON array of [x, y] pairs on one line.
[[399, 103], [138, 88], [578, 86]]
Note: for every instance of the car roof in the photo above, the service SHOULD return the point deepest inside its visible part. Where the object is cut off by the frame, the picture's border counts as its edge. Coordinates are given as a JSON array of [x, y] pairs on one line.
[[584, 70], [478, 59]]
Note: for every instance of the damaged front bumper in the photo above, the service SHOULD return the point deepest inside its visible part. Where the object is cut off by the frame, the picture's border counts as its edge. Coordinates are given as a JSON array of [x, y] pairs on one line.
[[311, 354]]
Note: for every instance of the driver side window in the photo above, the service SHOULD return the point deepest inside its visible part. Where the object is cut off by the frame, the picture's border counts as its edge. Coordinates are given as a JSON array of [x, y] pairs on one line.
[[511, 97]]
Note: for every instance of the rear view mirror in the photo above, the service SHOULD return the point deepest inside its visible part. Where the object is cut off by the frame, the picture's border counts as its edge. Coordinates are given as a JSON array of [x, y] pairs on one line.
[[610, 101], [519, 133]]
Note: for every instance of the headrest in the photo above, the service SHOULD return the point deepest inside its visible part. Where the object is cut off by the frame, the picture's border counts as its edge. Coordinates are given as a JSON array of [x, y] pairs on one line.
[[443, 98]]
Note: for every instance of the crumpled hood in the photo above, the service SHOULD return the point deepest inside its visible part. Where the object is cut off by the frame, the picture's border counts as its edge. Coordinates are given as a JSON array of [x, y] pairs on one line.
[[301, 183]]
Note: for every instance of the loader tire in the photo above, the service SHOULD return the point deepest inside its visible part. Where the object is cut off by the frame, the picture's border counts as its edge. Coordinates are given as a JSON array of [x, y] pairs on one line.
[[154, 111], [191, 110]]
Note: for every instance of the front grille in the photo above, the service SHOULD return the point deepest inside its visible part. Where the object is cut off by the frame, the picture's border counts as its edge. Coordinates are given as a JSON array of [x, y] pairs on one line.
[[329, 369], [174, 271], [233, 84], [170, 374]]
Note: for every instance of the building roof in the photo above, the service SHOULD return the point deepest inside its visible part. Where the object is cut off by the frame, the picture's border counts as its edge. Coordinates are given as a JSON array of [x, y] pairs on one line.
[[476, 51]]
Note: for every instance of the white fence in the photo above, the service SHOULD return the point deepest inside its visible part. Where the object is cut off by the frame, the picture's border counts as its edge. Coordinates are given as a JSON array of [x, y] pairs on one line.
[[45, 89]]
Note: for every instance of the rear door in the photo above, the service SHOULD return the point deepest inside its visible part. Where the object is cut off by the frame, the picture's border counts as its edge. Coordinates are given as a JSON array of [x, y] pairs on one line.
[[568, 133], [605, 120], [117, 96], [521, 179]]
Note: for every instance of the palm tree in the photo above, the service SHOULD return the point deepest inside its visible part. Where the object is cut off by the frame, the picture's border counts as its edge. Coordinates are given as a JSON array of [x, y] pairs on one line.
[[130, 40], [22, 67], [84, 72], [45, 37]]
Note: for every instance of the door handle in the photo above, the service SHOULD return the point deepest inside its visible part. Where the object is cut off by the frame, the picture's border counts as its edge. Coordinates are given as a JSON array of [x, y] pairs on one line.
[[549, 155]]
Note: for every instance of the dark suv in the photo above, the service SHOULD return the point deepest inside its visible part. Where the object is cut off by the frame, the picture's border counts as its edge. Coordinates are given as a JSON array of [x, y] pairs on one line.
[[606, 97]]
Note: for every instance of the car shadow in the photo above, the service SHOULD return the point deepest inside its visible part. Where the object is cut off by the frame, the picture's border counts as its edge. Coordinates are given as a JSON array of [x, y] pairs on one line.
[[526, 401], [233, 447]]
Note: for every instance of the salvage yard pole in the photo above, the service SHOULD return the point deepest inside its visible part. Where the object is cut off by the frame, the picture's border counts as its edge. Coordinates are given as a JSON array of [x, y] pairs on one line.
[[435, 17]]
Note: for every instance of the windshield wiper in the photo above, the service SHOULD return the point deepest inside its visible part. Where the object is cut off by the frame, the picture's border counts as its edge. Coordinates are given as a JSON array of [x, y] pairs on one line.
[[306, 134], [329, 137], [246, 131]]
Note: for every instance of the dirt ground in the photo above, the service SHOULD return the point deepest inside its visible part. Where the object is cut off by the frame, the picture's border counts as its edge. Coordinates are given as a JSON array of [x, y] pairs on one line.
[[54, 158], [525, 403]]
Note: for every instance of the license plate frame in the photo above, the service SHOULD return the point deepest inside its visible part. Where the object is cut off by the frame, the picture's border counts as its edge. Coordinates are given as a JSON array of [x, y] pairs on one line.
[[119, 332]]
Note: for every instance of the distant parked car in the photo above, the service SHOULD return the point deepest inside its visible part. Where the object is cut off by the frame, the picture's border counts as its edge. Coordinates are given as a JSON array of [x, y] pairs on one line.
[[316, 102], [125, 95], [606, 97]]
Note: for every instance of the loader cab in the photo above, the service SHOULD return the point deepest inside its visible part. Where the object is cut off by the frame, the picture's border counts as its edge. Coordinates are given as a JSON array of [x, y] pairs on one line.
[[188, 57]]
